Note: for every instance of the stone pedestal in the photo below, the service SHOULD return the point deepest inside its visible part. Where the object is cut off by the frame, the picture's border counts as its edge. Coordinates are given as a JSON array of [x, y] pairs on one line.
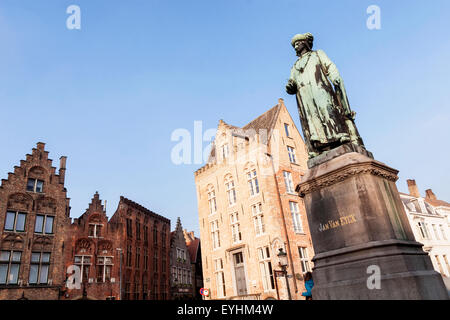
[[359, 228]]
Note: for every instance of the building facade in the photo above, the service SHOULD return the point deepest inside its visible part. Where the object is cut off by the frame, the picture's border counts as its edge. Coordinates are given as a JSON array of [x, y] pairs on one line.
[[195, 253], [124, 258], [429, 219], [180, 264], [93, 247], [145, 247], [34, 214], [248, 210]]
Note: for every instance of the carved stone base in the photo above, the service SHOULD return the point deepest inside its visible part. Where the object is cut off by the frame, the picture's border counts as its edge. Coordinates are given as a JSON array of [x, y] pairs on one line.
[[359, 227]]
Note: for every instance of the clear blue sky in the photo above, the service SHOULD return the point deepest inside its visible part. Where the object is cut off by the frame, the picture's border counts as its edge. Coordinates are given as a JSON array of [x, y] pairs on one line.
[[109, 96]]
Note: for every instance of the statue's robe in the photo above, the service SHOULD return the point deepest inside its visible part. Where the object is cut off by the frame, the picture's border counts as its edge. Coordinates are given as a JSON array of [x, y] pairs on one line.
[[323, 114]]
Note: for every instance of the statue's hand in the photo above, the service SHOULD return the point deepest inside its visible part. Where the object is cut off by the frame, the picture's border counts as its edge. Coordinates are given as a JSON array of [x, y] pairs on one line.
[[291, 87]]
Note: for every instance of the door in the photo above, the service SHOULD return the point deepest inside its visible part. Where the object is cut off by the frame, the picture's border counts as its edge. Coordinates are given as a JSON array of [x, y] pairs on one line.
[[239, 271]]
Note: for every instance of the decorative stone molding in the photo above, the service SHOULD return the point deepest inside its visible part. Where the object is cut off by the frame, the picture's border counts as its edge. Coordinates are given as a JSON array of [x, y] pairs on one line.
[[342, 174]]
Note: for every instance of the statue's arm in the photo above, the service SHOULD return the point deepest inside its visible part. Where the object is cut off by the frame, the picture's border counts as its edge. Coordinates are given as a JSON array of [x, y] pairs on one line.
[[291, 87], [330, 68]]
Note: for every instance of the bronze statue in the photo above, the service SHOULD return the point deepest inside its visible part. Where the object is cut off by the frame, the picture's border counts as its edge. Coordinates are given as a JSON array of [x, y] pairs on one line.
[[325, 113]]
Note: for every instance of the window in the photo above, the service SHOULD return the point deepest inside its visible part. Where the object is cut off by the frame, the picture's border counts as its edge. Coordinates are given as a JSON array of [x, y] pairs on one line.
[[287, 130], [220, 278], [297, 221], [95, 230], [446, 262], [258, 219], [235, 228], [129, 255], [138, 258], [163, 237], [145, 233], [129, 228], [444, 236], [231, 192], [145, 259], [40, 263], [9, 266], [265, 265], [15, 221], [288, 182], [138, 230], [104, 267], [253, 182], [84, 263], [291, 153], [35, 185], [225, 151], [212, 200], [303, 252], [215, 234], [423, 230], [436, 232], [438, 261], [155, 235], [44, 224], [155, 261], [181, 254]]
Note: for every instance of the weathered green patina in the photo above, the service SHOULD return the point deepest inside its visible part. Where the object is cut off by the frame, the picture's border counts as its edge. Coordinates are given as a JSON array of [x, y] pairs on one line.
[[325, 114]]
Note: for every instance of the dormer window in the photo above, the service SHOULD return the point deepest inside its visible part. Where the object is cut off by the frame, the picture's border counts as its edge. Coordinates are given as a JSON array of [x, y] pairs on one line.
[[35, 185]]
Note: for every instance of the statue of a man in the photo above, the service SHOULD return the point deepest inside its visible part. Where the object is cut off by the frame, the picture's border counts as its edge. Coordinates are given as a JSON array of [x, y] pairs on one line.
[[325, 113]]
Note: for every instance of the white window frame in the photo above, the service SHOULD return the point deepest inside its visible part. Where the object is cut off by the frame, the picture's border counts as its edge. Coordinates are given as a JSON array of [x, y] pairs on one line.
[[296, 217], [304, 259], [215, 234], [252, 179], [291, 152], [265, 264], [236, 235], [289, 183], [258, 219]]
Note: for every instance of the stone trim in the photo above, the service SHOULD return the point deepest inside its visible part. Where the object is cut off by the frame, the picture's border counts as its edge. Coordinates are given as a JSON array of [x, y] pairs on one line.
[[344, 173]]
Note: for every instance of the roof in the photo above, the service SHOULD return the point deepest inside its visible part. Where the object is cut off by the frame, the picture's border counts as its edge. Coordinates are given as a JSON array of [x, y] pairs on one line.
[[266, 121], [144, 210], [437, 203], [193, 247]]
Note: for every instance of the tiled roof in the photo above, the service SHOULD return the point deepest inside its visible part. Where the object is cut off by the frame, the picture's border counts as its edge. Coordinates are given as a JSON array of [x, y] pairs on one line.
[[192, 247]]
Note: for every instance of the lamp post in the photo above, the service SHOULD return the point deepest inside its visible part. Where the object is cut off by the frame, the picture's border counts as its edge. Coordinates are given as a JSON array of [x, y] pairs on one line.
[[120, 272], [283, 260]]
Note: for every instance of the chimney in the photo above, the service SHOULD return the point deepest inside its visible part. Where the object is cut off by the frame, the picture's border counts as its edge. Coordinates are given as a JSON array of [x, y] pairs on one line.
[[62, 169], [413, 190], [430, 194]]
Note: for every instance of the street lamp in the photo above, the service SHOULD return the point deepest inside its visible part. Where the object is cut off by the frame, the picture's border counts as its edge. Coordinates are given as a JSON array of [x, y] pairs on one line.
[[283, 260]]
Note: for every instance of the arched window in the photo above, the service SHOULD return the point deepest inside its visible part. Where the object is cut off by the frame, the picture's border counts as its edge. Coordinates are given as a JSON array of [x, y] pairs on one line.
[[252, 179], [231, 191], [212, 204]]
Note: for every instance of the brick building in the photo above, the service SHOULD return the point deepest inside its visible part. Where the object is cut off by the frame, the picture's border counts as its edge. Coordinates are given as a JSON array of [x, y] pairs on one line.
[[93, 244], [248, 209], [133, 246], [195, 254], [34, 214], [180, 265]]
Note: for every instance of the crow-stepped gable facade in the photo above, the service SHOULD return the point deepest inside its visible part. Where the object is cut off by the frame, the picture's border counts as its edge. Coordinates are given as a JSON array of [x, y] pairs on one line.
[[34, 214]]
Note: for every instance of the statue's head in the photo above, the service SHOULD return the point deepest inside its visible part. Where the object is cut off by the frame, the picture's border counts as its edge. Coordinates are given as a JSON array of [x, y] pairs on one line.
[[302, 42]]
